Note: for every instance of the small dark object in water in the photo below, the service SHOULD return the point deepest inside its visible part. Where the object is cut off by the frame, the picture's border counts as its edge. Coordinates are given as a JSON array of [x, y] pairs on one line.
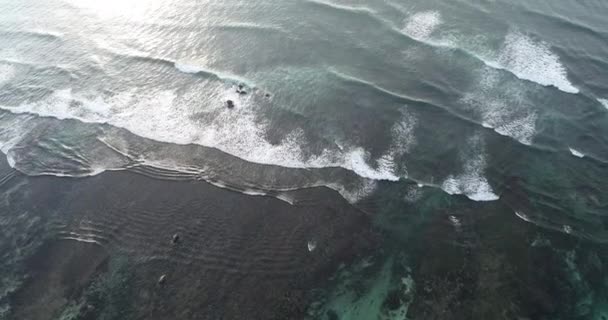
[[392, 300], [240, 90], [162, 279], [267, 95], [175, 239], [332, 315], [230, 104]]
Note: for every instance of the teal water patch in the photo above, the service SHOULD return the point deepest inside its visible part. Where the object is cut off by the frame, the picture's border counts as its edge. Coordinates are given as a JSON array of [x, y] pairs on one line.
[[108, 297], [591, 303], [583, 289], [22, 234], [379, 288]]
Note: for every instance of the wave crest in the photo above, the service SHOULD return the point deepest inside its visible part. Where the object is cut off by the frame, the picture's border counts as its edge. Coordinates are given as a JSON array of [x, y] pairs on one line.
[[534, 61]]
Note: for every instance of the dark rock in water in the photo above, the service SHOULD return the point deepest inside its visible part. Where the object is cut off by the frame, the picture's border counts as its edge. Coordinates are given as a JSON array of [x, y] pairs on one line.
[[175, 239], [162, 279], [332, 315], [230, 104], [240, 90], [393, 300]]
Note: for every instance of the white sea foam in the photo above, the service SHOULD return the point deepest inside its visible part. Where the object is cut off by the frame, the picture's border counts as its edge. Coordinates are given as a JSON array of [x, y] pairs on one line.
[[163, 116], [7, 72], [312, 245], [13, 129], [520, 55], [189, 119], [421, 25], [413, 194], [471, 182], [521, 129], [577, 153], [402, 141], [456, 223], [42, 32], [502, 108], [604, 102], [353, 195], [188, 68], [10, 160], [534, 61], [523, 216]]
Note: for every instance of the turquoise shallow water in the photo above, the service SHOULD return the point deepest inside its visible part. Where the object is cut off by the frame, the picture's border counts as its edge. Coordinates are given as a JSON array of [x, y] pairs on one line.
[[464, 143]]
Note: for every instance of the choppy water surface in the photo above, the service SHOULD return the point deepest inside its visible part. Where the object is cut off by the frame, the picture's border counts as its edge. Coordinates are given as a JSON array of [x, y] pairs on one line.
[[469, 140]]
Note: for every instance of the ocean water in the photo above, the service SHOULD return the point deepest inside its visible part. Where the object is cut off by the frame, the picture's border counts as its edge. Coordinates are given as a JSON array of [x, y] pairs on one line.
[[380, 159]]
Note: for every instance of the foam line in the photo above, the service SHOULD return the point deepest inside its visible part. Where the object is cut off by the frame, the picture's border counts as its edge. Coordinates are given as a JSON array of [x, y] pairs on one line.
[[502, 108], [576, 153]]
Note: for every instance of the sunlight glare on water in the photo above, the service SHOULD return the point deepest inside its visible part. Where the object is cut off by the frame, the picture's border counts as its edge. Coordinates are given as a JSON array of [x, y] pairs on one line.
[[132, 9]]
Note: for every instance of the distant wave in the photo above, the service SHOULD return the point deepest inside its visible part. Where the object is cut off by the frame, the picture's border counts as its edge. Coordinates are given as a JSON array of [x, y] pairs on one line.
[[533, 60], [578, 229], [520, 55], [401, 97], [236, 132], [247, 26], [193, 68], [42, 34], [181, 65], [568, 23], [604, 102], [515, 121], [374, 86], [348, 9]]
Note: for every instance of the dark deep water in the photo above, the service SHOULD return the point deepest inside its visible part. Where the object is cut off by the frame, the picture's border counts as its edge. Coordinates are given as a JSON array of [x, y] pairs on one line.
[[380, 159]]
